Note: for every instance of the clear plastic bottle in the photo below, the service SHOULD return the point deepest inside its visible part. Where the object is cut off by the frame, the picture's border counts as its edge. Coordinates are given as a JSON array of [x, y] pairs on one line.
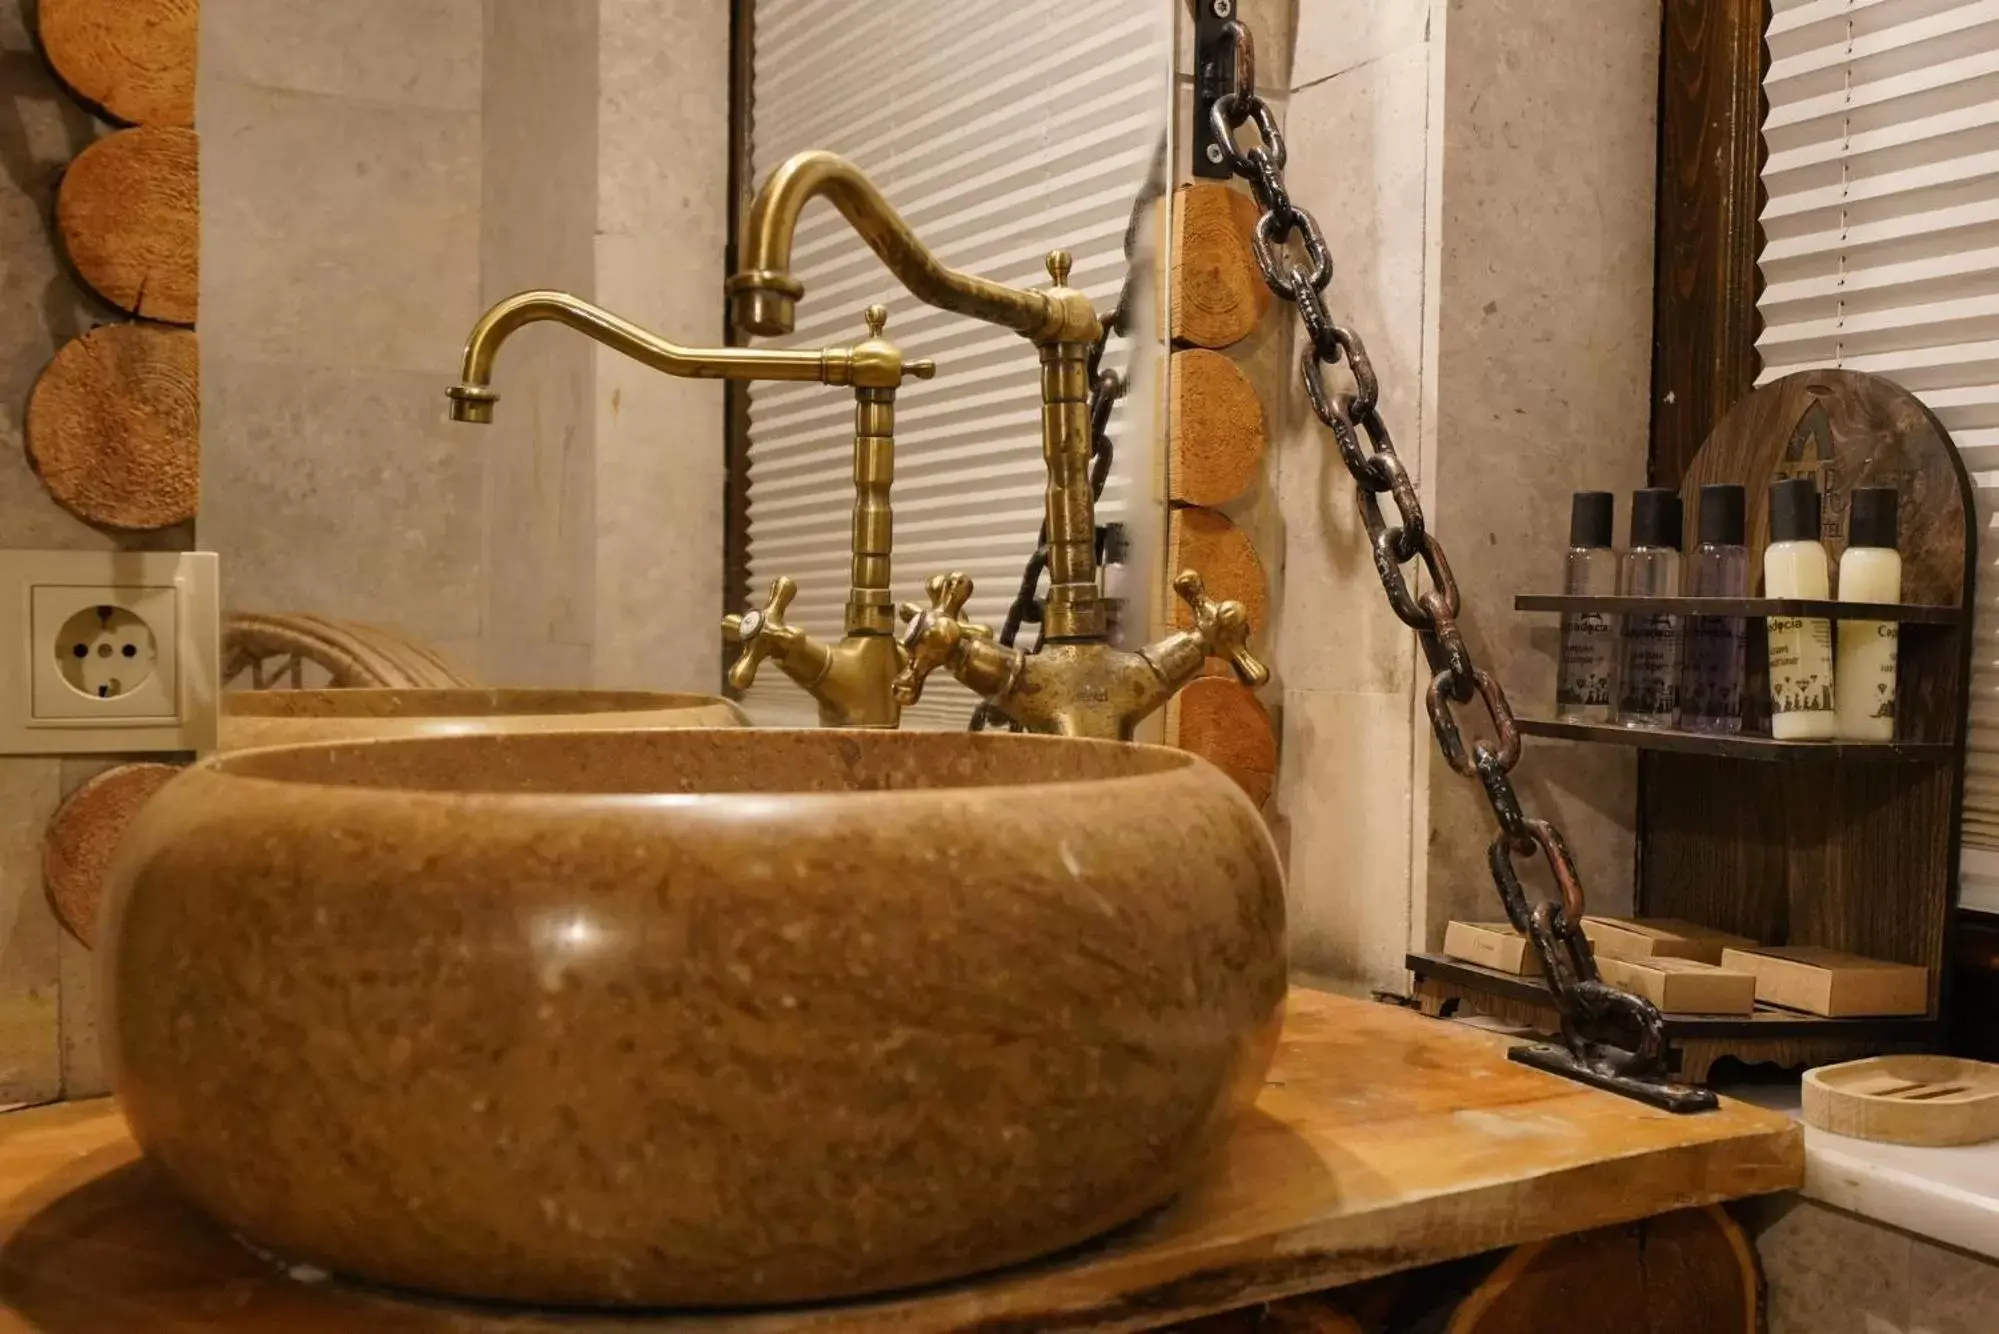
[[1589, 638], [1648, 678], [1870, 571], [1712, 670], [1794, 566]]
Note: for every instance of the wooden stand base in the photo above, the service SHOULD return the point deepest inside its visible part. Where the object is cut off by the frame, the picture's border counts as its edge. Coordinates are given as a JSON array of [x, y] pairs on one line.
[[1691, 1272], [1794, 1042]]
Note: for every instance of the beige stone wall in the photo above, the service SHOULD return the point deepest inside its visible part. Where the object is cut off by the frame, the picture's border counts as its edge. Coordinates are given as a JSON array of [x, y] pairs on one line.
[[1484, 175], [340, 174], [377, 172]]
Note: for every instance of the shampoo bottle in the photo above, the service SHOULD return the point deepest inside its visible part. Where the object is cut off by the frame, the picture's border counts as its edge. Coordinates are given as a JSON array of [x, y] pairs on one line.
[[1711, 674], [1870, 571], [1648, 678], [1589, 638], [1794, 566]]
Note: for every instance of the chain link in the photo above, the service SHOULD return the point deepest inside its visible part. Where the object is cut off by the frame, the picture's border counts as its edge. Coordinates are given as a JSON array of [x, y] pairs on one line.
[[1609, 1030], [1106, 388]]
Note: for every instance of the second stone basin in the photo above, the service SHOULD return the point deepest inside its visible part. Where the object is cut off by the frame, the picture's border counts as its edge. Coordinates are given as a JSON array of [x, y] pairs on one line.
[[286, 717], [689, 1018]]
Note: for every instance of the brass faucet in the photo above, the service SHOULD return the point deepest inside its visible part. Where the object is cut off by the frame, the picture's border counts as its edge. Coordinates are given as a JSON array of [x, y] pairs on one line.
[[853, 679], [1079, 684]]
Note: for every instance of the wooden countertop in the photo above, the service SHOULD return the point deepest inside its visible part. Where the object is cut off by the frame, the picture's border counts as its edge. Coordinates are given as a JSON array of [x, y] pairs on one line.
[[1383, 1141]]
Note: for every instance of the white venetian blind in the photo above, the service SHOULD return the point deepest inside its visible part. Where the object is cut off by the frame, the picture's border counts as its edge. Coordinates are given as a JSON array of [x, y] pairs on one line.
[[1881, 254], [1000, 130]]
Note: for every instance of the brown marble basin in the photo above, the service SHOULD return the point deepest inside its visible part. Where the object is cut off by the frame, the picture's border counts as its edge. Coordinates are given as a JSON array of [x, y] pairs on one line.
[[287, 717], [689, 1017]]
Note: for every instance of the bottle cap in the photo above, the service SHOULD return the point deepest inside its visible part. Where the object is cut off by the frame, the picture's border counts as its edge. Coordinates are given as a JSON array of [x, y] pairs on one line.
[[1590, 518], [1722, 508], [1872, 522], [1794, 510], [1655, 518]]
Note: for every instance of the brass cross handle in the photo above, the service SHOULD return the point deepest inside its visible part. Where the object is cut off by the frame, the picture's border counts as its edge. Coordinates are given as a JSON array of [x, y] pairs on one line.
[[1222, 626], [930, 635], [761, 632]]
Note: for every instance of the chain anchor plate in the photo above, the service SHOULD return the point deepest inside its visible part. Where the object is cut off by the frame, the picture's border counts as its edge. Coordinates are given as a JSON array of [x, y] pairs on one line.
[[1610, 1039]]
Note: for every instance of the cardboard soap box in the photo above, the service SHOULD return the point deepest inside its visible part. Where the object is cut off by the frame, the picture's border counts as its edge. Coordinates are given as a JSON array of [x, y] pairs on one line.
[[1682, 986], [1494, 945], [1829, 983], [1659, 937]]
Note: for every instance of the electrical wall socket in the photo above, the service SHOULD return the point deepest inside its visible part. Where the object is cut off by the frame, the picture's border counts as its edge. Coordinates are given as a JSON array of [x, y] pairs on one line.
[[104, 651]]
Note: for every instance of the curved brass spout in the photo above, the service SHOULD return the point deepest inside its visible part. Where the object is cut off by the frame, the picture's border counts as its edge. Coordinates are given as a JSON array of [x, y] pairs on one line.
[[763, 295], [472, 398]]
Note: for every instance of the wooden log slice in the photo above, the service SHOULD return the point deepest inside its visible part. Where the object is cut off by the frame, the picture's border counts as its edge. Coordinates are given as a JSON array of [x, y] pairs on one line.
[[82, 835], [129, 212], [1215, 431], [133, 60], [1219, 295], [1222, 721], [114, 426], [1208, 543]]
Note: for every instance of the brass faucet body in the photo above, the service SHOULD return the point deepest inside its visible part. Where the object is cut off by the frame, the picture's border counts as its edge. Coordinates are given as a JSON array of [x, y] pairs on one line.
[[1072, 689], [1077, 684], [852, 680]]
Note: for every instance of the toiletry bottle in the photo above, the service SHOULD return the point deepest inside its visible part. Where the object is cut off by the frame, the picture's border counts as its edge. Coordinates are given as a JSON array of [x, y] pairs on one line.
[[1794, 566], [1870, 571], [1589, 638], [1648, 679], [1711, 675]]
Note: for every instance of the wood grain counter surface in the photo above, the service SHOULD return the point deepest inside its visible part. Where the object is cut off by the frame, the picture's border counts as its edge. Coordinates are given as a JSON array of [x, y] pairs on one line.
[[1383, 1141]]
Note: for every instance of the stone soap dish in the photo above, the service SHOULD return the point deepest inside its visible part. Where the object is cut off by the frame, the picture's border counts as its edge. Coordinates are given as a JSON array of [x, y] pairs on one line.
[[1929, 1100]]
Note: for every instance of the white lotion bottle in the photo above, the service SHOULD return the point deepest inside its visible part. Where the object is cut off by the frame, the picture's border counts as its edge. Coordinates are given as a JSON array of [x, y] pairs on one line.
[[1870, 571], [1794, 566]]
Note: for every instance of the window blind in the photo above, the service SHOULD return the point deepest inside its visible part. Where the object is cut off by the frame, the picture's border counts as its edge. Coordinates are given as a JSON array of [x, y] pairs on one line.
[[1881, 254], [1000, 130]]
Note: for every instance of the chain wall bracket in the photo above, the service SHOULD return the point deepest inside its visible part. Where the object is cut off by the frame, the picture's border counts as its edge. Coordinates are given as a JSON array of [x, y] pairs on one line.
[[1610, 1038], [1214, 66]]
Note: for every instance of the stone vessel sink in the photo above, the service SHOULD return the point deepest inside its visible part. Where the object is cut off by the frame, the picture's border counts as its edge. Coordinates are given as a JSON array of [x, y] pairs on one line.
[[286, 717], [700, 1017]]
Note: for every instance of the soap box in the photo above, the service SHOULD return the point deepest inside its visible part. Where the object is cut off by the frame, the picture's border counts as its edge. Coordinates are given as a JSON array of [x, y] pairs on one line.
[[1682, 986], [1827, 982], [1494, 945], [1657, 937]]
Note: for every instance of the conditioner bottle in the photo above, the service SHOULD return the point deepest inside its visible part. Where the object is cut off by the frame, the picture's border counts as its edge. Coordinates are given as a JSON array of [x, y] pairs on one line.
[[1870, 571], [1794, 566]]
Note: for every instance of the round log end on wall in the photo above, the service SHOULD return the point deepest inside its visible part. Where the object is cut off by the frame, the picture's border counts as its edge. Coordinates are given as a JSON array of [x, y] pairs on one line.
[[132, 59], [114, 426], [1215, 433], [1218, 293], [1222, 721], [1206, 542], [129, 212], [84, 832]]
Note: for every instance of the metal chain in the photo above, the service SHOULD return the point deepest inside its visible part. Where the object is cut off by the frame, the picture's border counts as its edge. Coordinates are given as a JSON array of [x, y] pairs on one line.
[[1106, 388], [1610, 1031]]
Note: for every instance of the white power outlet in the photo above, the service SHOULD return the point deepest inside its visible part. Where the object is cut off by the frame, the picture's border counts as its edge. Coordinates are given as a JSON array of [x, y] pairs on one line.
[[108, 651]]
